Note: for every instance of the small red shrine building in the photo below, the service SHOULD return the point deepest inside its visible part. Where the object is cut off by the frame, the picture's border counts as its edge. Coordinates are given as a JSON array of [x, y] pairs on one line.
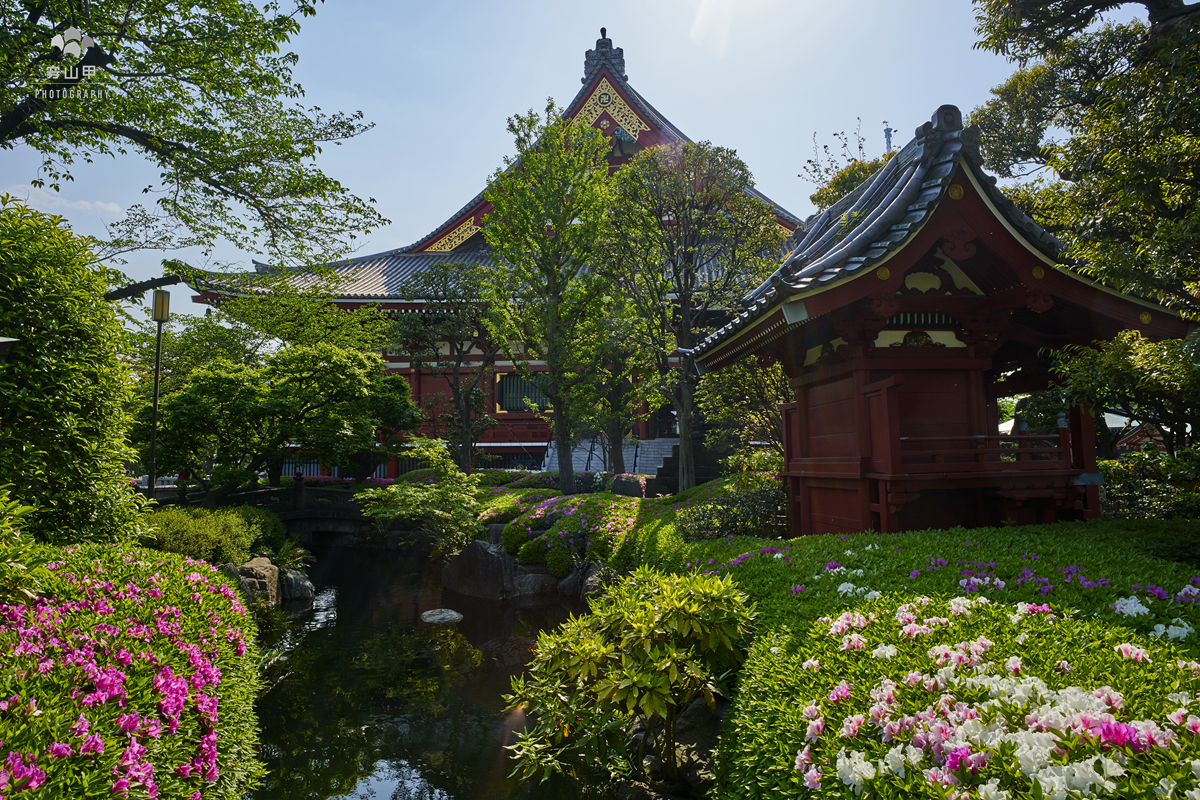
[[900, 316]]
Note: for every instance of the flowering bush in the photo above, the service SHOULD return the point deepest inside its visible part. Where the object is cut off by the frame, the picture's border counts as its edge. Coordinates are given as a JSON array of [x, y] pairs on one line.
[[590, 526], [134, 675], [963, 698], [585, 482], [505, 505]]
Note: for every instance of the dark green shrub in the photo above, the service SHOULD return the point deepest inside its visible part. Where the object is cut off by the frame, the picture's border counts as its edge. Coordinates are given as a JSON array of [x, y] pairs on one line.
[[269, 530], [515, 535], [585, 482], [1152, 485], [532, 552], [64, 386], [21, 572], [752, 504], [560, 560], [136, 674], [219, 537]]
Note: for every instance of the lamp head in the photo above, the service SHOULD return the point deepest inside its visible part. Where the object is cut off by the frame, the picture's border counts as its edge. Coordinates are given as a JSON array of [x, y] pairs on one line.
[[161, 310]]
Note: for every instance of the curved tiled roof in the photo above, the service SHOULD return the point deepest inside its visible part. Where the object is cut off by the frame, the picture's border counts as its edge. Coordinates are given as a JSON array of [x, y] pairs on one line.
[[612, 63], [877, 218], [380, 276]]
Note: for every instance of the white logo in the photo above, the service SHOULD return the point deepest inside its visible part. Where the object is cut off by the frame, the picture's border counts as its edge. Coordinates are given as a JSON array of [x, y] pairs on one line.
[[72, 42]]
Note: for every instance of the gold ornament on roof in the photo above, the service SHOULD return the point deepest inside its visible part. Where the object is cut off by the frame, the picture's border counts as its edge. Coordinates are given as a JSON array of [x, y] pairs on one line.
[[455, 237], [1038, 272], [956, 191], [883, 273], [605, 98], [1145, 317]]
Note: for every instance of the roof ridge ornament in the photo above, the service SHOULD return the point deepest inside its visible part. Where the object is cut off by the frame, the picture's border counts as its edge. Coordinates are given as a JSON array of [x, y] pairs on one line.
[[605, 55]]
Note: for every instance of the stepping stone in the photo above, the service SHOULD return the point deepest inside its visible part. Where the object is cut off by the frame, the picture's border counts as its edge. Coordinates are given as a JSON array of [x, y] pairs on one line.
[[441, 616]]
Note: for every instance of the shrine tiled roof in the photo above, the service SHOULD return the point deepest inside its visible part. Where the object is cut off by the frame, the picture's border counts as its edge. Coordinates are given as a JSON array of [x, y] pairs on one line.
[[878, 217], [380, 276], [603, 63]]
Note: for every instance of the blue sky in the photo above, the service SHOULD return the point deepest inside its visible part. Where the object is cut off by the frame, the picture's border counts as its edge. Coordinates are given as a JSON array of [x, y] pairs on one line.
[[439, 79]]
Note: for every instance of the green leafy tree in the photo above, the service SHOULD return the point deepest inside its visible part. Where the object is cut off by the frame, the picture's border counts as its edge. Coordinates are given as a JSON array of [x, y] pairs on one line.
[[446, 506], [649, 647], [203, 90], [549, 213], [448, 337], [229, 421], [63, 386], [1153, 382], [741, 403], [687, 243], [1107, 118]]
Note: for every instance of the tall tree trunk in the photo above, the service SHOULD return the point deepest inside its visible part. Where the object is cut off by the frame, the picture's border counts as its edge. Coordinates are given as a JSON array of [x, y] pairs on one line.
[[616, 446], [466, 442], [687, 455], [562, 445]]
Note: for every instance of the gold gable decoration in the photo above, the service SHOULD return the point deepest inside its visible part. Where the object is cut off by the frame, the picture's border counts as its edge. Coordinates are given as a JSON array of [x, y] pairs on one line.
[[605, 98], [455, 237]]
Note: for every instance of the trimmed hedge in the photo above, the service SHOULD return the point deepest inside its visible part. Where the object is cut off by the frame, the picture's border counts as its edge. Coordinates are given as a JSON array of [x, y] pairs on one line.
[[222, 536], [269, 531], [134, 675]]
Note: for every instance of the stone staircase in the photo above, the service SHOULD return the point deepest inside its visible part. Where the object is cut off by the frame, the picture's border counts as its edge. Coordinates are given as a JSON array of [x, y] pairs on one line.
[[708, 468], [650, 455]]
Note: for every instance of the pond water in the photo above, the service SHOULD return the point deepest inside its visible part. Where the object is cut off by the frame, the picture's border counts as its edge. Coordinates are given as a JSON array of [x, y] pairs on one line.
[[364, 701]]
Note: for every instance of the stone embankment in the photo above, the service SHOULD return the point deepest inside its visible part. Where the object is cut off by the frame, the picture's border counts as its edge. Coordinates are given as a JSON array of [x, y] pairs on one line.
[[259, 577], [486, 571]]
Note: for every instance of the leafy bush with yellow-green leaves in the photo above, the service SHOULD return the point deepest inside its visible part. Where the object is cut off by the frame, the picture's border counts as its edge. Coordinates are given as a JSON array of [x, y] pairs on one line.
[[650, 646]]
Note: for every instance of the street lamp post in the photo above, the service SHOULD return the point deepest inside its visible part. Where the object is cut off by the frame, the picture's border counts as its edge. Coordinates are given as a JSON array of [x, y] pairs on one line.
[[160, 313]]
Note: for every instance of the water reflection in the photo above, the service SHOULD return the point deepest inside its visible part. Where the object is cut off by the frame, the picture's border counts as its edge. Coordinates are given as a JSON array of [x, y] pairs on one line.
[[366, 702]]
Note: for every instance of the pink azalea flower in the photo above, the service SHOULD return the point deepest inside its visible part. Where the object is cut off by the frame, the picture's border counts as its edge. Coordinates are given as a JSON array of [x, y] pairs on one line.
[[840, 692], [804, 757], [812, 778], [815, 729]]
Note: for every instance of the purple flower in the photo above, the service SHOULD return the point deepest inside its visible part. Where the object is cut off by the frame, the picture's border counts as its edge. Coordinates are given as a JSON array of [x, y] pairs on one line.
[[59, 750], [92, 744], [833, 565], [915, 573], [80, 728]]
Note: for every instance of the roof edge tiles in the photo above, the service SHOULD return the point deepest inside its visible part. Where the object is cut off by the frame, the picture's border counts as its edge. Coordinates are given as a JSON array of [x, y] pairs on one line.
[[878, 217]]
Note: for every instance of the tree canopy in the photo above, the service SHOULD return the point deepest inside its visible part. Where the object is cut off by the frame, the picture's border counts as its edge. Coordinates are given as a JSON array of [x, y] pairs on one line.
[[63, 386], [205, 91], [1107, 118], [230, 421], [449, 338], [687, 243], [549, 213]]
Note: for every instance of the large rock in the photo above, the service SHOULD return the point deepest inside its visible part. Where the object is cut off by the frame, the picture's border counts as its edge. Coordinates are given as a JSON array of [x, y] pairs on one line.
[[484, 570], [696, 734], [629, 487], [294, 585], [591, 582], [261, 577], [495, 531], [569, 586]]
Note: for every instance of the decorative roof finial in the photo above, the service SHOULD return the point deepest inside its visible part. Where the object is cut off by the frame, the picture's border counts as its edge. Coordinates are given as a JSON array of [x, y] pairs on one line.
[[605, 55]]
